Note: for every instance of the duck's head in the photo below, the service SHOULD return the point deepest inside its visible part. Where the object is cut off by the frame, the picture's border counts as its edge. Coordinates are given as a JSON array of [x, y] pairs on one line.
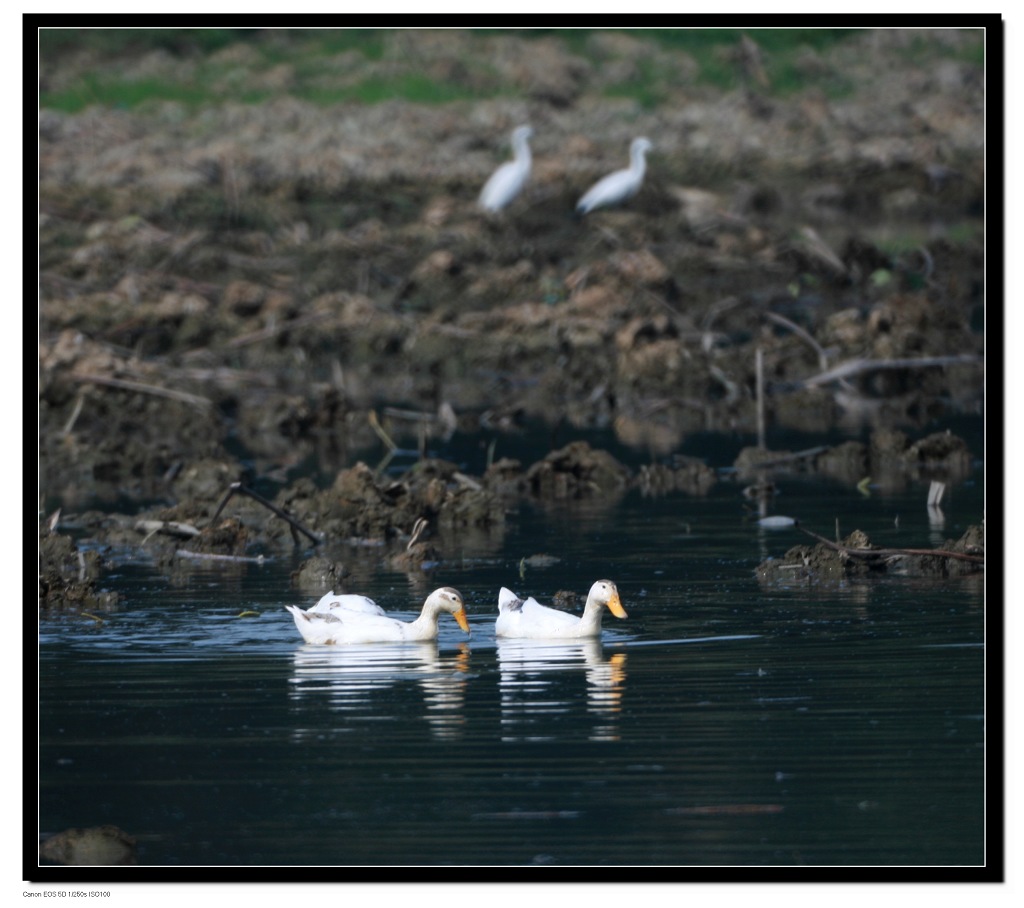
[[606, 593], [450, 600]]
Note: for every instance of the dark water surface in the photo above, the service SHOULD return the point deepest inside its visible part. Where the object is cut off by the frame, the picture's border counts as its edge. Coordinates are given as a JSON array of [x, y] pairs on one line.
[[724, 722]]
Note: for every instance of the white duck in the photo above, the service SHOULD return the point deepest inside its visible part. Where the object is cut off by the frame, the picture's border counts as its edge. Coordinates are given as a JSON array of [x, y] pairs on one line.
[[528, 618], [618, 186], [507, 181], [337, 620]]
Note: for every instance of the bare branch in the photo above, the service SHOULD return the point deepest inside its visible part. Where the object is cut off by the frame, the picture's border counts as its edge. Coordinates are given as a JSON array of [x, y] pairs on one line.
[[193, 400], [856, 366], [883, 553]]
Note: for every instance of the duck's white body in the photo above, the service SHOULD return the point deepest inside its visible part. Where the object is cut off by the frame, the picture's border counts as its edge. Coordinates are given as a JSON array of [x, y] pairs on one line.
[[618, 186], [345, 602], [508, 180], [527, 618], [337, 620]]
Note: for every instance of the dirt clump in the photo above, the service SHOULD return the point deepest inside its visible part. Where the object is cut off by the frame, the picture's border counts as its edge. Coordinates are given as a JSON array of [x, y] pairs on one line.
[[856, 557], [68, 576]]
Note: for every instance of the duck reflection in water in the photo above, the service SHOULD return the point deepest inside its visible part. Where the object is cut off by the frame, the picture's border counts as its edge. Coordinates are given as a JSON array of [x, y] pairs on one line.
[[533, 698], [352, 680]]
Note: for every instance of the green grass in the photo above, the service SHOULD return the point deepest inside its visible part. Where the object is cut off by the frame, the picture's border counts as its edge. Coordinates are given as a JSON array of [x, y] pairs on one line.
[[408, 86], [308, 51], [902, 239], [91, 89], [313, 54]]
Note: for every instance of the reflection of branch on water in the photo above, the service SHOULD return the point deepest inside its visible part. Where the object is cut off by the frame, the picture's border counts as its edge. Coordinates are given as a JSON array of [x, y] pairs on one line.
[[789, 457], [444, 422]]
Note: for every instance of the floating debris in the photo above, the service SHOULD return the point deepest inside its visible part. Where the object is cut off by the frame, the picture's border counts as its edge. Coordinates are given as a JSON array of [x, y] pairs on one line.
[[777, 522]]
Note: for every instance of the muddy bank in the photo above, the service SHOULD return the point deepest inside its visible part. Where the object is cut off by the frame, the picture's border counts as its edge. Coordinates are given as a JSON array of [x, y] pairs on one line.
[[413, 522], [244, 293]]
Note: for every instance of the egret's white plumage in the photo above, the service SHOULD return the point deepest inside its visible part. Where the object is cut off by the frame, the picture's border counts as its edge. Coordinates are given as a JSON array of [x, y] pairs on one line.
[[618, 186], [528, 618], [508, 180], [336, 620]]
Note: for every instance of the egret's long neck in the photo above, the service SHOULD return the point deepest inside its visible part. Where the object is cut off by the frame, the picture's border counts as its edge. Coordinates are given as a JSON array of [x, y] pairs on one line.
[[638, 163], [522, 151]]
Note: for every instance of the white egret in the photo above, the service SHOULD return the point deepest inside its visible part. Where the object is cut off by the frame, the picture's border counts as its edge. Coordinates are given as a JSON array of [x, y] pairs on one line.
[[618, 186], [508, 180]]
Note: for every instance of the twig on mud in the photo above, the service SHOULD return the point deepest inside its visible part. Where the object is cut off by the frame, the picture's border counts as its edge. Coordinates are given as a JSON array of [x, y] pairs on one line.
[[222, 377], [716, 309], [241, 489], [875, 553], [181, 396], [379, 429], [759, 372], [453, 330], [795, 455], [418, 529], [393, 449], [802, 334], [732, 389], [73, 418], [810, 242], [254, 337], [650, 294], [467, 482], [856, 366], [259, 262], [171, 527], [210, 556]]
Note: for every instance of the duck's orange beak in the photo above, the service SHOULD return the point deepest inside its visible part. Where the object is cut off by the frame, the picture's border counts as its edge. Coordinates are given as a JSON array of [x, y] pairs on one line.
[[460, 616], [615, 606]]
